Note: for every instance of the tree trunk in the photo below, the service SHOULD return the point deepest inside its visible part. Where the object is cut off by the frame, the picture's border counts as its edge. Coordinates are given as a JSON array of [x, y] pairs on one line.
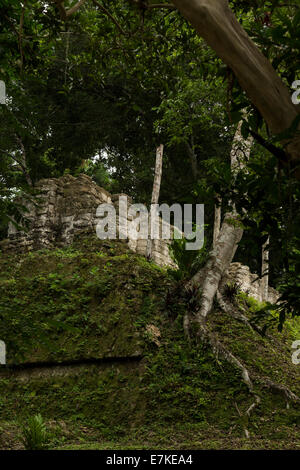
[[208, 278], [265, 270], [155, 192], [217, 222], [216, 23], [22, 161], [193, 158]]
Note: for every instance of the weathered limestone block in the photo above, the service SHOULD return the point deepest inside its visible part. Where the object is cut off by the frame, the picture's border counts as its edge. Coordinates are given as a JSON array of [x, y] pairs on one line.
[[248, 282], [67, 205]]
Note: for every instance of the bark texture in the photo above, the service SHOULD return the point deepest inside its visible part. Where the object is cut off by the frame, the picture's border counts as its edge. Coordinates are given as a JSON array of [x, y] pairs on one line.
[[265, 270], [192, 157], [220, 258], [216, 23], [22, 161], [226, 244], [155, 192], [217, 222]]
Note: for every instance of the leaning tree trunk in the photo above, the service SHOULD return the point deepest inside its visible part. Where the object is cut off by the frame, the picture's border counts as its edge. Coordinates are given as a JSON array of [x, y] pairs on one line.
[[209, 277], [155, 193], [216, 23], [207, 282]]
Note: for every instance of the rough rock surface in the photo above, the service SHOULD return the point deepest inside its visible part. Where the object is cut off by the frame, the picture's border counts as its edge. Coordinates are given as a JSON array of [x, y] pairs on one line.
[[66, 206], [248, 282]]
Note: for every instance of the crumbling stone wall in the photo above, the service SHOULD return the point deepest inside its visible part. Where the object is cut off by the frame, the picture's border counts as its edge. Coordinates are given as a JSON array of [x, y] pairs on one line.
[[248, 282], [67, 205]]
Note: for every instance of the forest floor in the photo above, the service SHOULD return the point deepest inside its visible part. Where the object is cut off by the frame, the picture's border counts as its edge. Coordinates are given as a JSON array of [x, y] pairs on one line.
[[69, 436], [95, 345]]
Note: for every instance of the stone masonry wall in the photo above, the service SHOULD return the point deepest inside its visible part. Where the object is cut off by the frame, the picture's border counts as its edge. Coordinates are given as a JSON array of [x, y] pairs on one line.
[[248, 282], [67, 205]]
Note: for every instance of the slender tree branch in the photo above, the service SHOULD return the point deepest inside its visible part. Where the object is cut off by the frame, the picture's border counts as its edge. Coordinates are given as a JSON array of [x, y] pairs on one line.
[[170, 6], [75, 8], [23, 163], [61, 9], [65, 14], [192, 156], [106, 12], [21, 34], [276, 151], [145, 6], [11, 25]]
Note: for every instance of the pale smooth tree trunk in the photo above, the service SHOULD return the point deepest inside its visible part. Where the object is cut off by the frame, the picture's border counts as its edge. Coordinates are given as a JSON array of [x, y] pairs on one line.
[[265, 271], [208, 278], [22, 161], [192, 157], [155, 193], [67, 60], [216, 23], [240, 152], [217, 222]]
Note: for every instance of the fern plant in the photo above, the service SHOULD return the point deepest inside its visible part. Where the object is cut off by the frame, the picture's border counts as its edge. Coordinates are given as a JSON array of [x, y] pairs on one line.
[[35, 434]]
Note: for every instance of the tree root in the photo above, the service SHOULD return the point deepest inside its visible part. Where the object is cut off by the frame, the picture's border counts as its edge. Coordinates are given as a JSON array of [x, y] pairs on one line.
[[285, 391], [236, 314], [218, 348]]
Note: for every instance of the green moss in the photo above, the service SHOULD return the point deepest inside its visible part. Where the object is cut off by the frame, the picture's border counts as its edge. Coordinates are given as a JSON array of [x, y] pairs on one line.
[[95, 300], [82, 307]]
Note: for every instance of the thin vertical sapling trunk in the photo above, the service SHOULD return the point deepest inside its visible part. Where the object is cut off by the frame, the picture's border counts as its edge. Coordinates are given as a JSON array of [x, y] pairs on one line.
[[217, 221], [155, 193], [265, 270]]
